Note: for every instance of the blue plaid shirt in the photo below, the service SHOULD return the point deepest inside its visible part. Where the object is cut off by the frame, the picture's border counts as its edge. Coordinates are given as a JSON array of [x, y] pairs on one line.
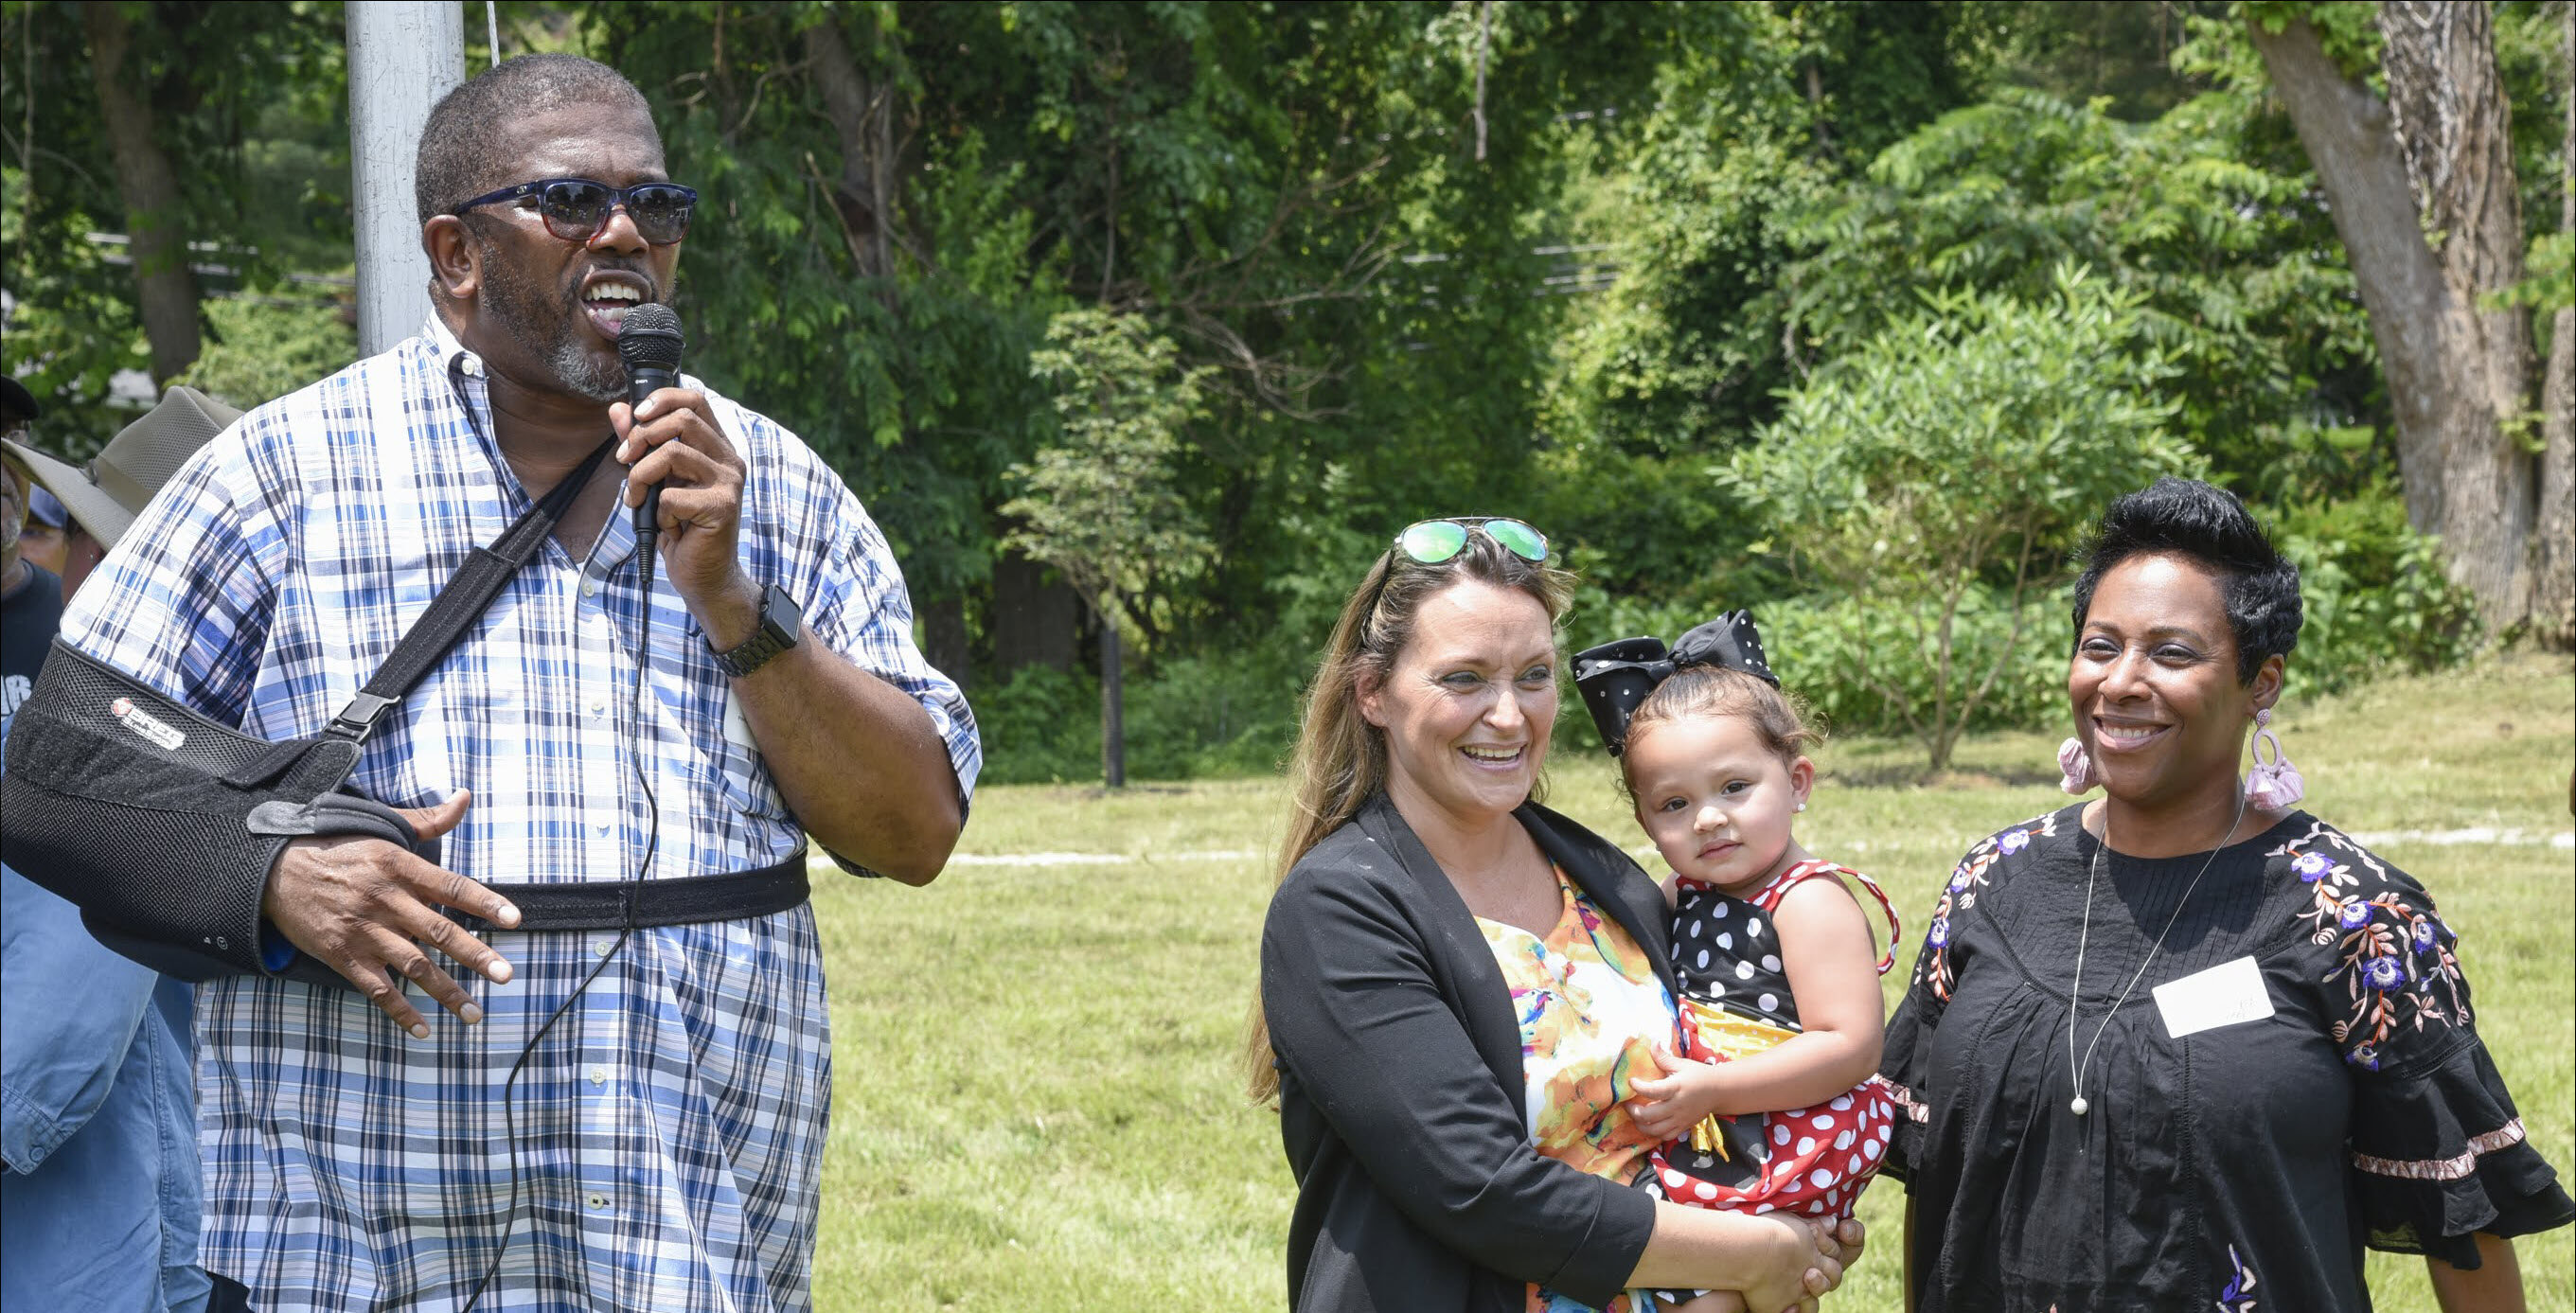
[[670, 1127]]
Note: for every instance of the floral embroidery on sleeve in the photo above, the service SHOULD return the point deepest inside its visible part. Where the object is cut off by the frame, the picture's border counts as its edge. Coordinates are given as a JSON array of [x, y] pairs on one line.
[[1960, 894], [2393, 956]]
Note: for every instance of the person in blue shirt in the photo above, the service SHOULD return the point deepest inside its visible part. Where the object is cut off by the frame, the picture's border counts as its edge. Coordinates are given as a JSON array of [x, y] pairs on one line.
[[98, 1124], [41, 540]]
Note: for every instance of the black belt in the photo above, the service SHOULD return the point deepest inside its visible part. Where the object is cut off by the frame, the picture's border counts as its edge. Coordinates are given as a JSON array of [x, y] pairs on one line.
[[684, 900]]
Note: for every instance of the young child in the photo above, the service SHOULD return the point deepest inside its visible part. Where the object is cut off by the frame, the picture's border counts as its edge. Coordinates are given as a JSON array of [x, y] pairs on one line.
[[1775, 1105]]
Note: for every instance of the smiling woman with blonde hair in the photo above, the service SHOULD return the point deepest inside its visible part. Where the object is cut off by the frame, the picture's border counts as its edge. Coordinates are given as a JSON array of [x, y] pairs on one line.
[[1458, 985]]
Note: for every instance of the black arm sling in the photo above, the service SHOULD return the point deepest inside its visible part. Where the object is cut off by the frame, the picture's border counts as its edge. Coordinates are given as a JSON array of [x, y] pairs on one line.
[[162, 825]]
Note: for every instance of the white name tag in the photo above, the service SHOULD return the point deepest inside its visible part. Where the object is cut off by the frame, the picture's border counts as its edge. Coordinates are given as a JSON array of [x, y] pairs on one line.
[[2221, 996]]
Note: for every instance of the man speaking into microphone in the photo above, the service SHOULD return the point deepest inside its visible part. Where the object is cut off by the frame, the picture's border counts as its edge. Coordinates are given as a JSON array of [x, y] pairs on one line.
[[592, 1094]]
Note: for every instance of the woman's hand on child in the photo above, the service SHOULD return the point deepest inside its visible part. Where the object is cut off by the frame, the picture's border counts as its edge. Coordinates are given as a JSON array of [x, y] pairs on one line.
[[1667, 1106], [1806, 1262]]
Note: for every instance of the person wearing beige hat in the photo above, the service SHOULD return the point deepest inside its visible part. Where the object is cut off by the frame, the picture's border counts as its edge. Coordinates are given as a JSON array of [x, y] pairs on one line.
[[99, 1207], [104, 497]]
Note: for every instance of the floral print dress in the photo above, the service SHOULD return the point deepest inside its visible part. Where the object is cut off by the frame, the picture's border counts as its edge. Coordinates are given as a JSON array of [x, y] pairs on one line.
[[1591, 1008], [2296, 1077]]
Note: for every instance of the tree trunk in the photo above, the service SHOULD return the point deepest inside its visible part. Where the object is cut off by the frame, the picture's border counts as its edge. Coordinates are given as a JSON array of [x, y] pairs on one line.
[[2553, 543], [862, 114], [2455, 374], [154, 222], [1113, 708]]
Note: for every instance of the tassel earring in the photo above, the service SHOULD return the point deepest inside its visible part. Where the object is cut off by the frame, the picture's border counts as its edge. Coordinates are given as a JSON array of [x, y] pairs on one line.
[[2272, 785], [2077, 765]]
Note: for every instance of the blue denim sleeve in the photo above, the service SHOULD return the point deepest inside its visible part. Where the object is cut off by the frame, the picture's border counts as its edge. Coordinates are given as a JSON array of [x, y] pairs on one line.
[[68, 1009]]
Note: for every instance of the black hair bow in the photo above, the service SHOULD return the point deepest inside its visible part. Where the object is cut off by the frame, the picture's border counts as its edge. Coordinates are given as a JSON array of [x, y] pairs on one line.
[[1615, 678]]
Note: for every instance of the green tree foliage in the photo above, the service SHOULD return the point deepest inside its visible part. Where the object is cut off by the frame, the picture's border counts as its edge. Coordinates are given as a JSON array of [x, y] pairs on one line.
[[250, 104], [1246, 178], [1684, 224], [1943, 468], [1759, 118], [2200, 212], [1104, 504], [259, 349]]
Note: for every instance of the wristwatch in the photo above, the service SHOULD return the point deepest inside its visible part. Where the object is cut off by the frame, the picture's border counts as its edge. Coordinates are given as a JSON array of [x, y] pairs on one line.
[[782, 622]]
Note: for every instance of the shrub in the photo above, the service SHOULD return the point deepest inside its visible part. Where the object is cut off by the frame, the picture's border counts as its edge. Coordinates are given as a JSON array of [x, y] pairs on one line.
[[1936, 477], [1222, 716], [2378, 599], [1041, 726], [259, 350], [1836, 654]]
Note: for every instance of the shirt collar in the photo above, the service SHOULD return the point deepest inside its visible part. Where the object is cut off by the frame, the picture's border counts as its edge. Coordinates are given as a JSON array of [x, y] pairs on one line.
[[450, 354]]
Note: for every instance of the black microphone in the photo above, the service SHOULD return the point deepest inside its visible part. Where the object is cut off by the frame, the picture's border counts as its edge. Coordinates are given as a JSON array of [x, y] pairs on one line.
[[649, 341]]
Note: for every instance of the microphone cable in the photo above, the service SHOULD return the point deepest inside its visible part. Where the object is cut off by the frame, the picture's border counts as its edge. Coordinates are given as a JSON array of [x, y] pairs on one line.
[[648, 529]]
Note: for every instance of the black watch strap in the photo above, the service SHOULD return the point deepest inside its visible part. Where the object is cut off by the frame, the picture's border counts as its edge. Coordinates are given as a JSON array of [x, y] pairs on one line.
[[782, 622]]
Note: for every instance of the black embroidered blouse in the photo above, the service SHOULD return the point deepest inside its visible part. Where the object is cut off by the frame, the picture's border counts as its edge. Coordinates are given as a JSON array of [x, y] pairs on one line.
[[2243, 1167]]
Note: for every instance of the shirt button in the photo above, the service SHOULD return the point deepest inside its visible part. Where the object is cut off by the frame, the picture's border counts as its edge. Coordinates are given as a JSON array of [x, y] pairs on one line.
[[603, 947], [599, 1075], [596, 1199], [602, 827], [590, 588], [598, 707]]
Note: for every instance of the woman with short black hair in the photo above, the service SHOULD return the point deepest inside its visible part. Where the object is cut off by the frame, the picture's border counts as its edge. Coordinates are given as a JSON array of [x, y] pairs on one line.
[[2269, 1061]]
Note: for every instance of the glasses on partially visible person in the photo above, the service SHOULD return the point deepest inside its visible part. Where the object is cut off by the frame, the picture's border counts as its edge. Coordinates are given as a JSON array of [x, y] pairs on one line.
[[575, 209], [1430, 542]]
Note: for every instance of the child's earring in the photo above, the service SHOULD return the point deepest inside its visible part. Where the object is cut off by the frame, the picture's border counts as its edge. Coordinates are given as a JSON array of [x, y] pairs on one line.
[[2077, 766], [2272, 785], [1802, 804]]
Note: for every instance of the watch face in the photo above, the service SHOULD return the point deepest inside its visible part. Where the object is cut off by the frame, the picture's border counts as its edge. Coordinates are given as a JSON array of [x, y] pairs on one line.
[[780, 611]]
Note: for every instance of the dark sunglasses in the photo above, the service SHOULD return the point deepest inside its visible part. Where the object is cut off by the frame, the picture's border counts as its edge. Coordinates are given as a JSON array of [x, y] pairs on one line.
[[575, 209]]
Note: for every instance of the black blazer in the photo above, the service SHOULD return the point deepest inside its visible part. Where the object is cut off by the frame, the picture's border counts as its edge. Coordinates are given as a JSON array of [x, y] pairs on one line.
[[1400, 1090]]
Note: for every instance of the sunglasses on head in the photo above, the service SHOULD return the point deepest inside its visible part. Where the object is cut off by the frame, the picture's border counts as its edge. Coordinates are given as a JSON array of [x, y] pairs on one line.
[[575, 209], [1429, 542]]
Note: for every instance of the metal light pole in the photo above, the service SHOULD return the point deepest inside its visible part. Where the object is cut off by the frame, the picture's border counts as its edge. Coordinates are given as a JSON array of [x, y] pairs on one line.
[[403, 56]]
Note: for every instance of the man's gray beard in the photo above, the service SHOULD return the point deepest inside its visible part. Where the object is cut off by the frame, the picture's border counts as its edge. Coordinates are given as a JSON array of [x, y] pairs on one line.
[[546, 332], [583, 375]]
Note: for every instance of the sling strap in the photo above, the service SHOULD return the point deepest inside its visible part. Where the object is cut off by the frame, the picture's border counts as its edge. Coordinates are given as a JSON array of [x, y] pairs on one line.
[[460, 603]]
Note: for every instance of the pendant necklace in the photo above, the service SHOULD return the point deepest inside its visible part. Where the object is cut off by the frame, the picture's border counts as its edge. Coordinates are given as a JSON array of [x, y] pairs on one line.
[[2075, 991]]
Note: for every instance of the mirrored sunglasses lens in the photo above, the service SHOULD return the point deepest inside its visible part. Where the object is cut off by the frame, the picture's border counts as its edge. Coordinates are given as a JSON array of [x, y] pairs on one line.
[[574, 209], [1433, 541], [661, 213], [1519, 539]]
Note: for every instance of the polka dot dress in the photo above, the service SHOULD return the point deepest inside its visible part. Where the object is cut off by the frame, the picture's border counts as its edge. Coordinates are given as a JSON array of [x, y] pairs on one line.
[[1809, 1161]]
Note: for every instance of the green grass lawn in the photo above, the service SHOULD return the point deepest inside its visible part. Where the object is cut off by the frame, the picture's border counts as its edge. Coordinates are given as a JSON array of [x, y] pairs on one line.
[[1038, 1105]]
